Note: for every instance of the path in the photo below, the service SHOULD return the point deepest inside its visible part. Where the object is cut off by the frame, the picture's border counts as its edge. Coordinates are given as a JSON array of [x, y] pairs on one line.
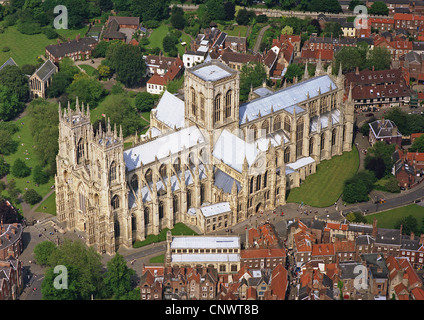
[[259, 38], [30, 214]]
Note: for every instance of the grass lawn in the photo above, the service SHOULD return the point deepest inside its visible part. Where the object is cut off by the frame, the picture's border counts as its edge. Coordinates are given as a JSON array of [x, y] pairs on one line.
[[25, 150], [184, 38], [158, 259], [24, 49], [72, 33], [156, 37], [387, 219], [324, 187], [88, 69], [178, 230], [234, 30], [48, 205]]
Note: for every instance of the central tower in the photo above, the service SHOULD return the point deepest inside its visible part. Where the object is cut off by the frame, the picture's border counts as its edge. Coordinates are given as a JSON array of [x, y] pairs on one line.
[[211, 96]]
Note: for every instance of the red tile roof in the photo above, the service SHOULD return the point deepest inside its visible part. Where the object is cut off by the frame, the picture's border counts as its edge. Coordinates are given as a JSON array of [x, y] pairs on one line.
[[262, 253], [323, 249], [418, 293]]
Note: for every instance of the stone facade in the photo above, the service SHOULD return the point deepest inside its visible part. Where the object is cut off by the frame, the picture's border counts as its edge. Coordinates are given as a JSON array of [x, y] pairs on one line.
[[118, 196]]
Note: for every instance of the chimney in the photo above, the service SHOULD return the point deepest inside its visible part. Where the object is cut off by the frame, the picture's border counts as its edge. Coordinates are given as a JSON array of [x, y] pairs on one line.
[[78, 37], [373, 68], [357, 70], [374, 228], [422, 238], [400, 229], [412, 235]]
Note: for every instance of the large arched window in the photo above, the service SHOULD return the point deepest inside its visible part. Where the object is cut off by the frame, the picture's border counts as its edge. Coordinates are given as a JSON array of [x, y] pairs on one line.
[[252, 182], [115, 202], [217, 109], [258, 182], [188, 199], [202, 107], [162, 170], [175, 208], [265, 128], [299, 137], [193, 101], [252, 132], [277, 123], [146, 216], [112, 172], [228, 104], [149, 176], [177, 165], [311, 146], [80, 151], [322, 141], [134, 182], [287, 124], [287, 155], [161, 208], [82, 202], [333, 137]]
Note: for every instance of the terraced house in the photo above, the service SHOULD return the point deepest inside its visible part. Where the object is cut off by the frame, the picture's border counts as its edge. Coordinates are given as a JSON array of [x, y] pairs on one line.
[[208, 148]]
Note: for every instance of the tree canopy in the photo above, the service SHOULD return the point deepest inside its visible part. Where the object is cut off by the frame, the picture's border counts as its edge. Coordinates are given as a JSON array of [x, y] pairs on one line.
[[251, 76]]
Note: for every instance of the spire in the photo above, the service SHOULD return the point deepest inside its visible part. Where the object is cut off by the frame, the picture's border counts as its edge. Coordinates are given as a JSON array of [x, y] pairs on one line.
[[88, 111], [349, 97], [115, 132], [234, 188], [60, 111], [121, 136], [77, 105], [108, 126], [306, 73], [340, 71], [318, 70]]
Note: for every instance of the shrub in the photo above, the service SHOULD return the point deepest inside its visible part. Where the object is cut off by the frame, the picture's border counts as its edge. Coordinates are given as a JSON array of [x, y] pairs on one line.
[[43, 251], [5, 49], [29, 28], [39, 176]]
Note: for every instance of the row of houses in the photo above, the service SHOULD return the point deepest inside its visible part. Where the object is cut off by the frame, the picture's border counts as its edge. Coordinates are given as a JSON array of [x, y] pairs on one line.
[[342, 260]]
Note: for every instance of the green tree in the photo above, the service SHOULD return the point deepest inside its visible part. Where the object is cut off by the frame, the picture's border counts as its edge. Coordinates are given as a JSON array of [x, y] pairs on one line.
[[84, 266], [243, 17], [104, 72], [349, 57], [215, 9], [7, 144], [44, 127], [39, 176], [333, 29], [60, 83], [379, 8], [121, 112], [128, 63], [251, 76], [177, 18], [294, 70], [150, 10], [379, 158], [230, 11], [4, 167], [87, 89], [379, 58], [117, 279], [20, 169], [10, 106], [409, 224], [287, 30], [354, 3], [392, 185], [32, 197], [13, 78], [145, 101], [417, 145]]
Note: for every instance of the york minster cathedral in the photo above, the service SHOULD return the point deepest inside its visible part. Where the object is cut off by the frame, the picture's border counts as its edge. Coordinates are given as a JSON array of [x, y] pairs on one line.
[[207, 161]]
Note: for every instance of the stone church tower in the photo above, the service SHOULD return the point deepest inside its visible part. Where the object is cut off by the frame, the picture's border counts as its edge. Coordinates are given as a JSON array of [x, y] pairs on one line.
[[90, 181]]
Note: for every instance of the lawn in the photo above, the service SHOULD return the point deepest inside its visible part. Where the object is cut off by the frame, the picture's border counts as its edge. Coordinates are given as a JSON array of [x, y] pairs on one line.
[[88, 69], [324, 187], [48, 205], [25, 151], [24, 49], [234, 30], [178, 230], [387, 219], [156, 38], [72, 33], [158, 259]]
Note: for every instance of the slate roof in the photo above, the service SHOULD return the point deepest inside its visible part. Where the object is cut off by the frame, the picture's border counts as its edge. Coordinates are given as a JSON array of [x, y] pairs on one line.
[[46, 70], [9, 62], [225, 182], [384, 129], [60, 50], [388, 236]]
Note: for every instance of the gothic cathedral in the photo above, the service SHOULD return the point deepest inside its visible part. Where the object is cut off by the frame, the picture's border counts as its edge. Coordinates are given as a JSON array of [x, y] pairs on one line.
[[208, 161]]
